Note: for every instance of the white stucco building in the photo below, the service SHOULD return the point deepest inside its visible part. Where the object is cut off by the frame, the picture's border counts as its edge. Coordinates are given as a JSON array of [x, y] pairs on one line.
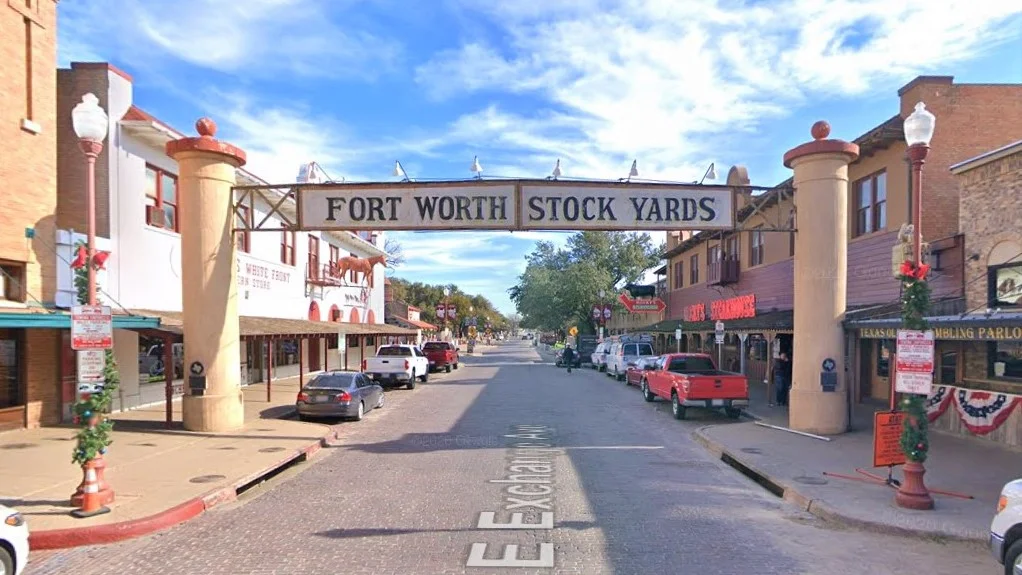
[[286, 276]]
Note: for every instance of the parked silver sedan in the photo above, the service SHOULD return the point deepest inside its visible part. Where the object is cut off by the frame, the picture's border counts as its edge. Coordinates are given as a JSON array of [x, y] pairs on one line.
[[346, 394]]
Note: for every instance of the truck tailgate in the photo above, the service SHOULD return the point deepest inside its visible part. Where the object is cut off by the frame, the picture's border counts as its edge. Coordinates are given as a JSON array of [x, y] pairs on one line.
[[717, 387], [385, 364]]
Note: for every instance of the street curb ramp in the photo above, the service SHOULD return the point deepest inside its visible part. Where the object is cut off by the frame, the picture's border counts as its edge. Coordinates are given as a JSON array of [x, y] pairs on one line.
[[816, 507], [123, 530]]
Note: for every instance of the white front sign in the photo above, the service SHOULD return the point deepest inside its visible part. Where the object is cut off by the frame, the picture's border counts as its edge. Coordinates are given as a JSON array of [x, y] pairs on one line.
[[475, 206], [90, 363], [560, 207], [262, 276]]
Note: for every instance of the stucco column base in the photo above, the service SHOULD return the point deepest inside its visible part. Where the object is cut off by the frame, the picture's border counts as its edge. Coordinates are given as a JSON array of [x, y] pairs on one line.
[[822, 413], [214, 413]]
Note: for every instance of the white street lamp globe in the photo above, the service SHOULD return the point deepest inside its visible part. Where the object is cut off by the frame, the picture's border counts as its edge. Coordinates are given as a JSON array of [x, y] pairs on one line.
[[89, 120], [447, 292], [919, 126]]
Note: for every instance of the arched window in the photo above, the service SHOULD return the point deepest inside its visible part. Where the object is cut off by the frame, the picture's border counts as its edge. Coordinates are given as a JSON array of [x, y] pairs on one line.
[[335, 313], [370, 317], [353, 318], [313, 311]]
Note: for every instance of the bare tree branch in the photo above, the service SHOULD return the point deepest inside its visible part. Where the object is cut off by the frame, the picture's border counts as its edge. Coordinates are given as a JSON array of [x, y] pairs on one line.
[[395, 254]]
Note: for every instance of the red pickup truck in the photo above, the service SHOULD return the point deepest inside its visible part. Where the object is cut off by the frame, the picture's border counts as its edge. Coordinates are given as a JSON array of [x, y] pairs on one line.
[[441, 355], [693, 380]]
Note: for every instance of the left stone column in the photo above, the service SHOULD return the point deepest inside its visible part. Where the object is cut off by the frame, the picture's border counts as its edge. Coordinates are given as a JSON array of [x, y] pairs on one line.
[[206, 177]]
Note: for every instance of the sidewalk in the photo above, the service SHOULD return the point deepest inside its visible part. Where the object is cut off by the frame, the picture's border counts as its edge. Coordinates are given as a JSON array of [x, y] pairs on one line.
[[160, 477], [803, 468]]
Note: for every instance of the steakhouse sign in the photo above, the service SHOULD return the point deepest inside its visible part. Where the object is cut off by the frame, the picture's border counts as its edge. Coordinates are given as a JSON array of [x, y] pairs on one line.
[[514, 205]]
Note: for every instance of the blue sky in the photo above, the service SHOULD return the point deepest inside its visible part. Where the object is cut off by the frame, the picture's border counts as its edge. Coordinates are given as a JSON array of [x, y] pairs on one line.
[[357, 84]]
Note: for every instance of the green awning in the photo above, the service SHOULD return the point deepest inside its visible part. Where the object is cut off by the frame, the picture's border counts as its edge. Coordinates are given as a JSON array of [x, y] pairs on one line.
[[62, 320]]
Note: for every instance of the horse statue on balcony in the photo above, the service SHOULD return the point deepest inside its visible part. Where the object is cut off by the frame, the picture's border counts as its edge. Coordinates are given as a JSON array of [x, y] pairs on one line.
[[363, 266]]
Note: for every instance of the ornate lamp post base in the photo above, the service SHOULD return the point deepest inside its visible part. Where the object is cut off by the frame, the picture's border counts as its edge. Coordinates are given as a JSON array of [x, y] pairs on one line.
[[913, 493]]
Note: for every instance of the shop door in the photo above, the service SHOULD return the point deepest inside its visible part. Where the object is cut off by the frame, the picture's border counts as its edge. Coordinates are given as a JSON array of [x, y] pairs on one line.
[[12, 381]]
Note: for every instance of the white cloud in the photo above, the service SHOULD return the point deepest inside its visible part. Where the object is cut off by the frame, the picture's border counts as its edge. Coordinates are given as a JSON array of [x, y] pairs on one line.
[[669, 81], [261, 38]]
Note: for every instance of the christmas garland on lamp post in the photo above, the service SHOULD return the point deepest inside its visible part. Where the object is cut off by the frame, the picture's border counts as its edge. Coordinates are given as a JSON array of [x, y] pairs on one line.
[[91, 409], [915, 441]]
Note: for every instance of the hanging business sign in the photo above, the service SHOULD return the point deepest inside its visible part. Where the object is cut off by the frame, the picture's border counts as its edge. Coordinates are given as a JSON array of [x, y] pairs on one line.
[[504, 205], [743, 306]]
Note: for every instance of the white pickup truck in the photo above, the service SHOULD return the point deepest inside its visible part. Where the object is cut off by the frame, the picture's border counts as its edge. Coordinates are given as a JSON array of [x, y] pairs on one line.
[[395, 364]]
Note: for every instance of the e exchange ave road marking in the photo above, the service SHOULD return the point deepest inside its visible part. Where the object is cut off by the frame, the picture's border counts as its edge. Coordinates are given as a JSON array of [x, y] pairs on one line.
[[529, 482]]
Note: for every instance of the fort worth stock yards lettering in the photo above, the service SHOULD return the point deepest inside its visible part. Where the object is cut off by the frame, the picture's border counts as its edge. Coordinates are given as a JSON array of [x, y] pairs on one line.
[[499, 207]]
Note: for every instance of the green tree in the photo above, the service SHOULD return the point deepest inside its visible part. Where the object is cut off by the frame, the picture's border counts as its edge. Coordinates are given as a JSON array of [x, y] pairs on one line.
[[560, 286], [92, 440], [427, 297]]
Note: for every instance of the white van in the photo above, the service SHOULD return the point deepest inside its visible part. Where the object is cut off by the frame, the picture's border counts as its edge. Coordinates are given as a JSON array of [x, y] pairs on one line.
[[625, 352], [599, 357]]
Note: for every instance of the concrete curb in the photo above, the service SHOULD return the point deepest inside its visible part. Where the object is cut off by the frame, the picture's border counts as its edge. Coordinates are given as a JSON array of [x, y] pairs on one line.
[[820, 508], [123, 530]]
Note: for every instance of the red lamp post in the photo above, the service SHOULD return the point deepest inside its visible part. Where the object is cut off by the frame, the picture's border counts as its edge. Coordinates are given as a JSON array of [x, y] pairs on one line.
[[918, 127]]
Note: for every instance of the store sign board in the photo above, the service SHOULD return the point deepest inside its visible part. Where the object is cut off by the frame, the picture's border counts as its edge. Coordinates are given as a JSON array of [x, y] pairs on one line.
[[914, 362], [985, 333], [262, 276], [504, 205], [695, 312], [743, 306], [92, 327]]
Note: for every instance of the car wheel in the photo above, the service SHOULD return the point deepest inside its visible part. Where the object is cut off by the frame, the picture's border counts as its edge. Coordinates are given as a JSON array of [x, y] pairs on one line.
[[448, 368], [411, 382], [646, 393], [1013, 557], [425, 377], [733, 412], [380, 403], [361, 411], [455, 366], [676, 407], [6, 562]]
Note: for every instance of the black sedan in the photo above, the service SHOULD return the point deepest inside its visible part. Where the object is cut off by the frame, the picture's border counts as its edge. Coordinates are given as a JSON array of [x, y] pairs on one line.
[[345, 394]]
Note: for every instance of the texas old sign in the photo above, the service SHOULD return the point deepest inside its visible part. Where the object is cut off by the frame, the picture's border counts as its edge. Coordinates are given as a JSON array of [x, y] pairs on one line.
[[514, 205]]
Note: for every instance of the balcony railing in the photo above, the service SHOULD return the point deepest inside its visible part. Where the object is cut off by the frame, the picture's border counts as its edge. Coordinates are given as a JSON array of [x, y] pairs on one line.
[[724, 271], [323, 274]]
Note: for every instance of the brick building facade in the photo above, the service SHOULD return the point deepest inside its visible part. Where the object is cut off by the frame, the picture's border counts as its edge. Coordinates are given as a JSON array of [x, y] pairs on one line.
[[753, 267], [29, 394]]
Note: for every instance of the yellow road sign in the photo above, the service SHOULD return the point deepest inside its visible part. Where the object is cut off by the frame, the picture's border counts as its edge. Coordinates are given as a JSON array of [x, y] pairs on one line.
[[573, 331]]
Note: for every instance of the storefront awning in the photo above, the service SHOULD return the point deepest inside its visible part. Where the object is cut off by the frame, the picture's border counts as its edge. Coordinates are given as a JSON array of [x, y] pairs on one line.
[[782, 320], [60, 319], [281, 328], [415, 324]]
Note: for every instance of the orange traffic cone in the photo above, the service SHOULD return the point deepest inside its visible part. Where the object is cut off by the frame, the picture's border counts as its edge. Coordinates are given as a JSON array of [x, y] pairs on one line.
[[92, 504]]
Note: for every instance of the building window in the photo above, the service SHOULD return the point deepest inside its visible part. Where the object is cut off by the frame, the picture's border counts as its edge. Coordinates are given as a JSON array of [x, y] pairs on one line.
[[732, 248], [353, 275], [285, 352], [791, 234], [679, 274], [313, 256], [1004, 360], [243, 222], [713, 255], [871, 203], [161, 199], [12, 282], [335, 256], [1004, 285], [755, 247], [949, 368], [287, 247], [693, 270]]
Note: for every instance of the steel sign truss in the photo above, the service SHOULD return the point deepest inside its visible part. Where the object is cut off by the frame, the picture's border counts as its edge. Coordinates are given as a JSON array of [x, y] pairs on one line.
[[505, 204], [778, 222]]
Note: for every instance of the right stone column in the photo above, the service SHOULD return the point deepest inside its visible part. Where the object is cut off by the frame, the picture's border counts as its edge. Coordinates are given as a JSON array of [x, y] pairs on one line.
[[821, 272]]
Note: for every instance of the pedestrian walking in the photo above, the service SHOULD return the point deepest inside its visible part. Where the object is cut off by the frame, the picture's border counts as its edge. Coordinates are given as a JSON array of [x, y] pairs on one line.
[[782, 379], [568, 357]]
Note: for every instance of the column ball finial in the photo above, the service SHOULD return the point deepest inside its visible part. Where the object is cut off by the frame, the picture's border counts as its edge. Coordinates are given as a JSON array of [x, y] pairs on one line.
[[206, 127], [820, 130]]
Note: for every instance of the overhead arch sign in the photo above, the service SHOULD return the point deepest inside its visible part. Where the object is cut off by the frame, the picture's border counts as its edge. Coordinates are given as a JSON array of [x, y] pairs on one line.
[[514, 205]]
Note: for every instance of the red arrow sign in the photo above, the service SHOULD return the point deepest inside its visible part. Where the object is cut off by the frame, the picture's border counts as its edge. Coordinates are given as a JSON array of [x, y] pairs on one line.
[[653, 305]]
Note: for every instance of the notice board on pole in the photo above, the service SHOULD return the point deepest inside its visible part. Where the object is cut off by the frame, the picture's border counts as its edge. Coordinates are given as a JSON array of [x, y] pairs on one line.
[[887, 427]]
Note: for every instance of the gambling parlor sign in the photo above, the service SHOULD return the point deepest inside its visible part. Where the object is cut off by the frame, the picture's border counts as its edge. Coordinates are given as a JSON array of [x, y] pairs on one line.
[[514, 206]]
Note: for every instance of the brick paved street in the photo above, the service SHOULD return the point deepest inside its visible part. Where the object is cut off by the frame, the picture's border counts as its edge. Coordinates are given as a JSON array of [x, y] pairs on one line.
[[403, 491]]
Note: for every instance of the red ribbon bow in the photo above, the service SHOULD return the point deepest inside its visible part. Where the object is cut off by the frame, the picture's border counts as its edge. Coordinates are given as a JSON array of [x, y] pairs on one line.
[[910, 270]]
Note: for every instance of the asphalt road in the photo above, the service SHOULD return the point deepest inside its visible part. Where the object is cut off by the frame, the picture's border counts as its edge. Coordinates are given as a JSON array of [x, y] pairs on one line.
[[403, 494]]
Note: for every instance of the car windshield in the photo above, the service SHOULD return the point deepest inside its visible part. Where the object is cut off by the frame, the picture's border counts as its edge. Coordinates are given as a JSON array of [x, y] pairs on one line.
[[394, 350], [434, 345], [645, 349], [690, 365], [332, 381]]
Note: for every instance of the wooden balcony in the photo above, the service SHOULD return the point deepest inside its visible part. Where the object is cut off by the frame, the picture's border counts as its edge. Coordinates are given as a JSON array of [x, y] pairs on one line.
[[322, 275], [724, 271]]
